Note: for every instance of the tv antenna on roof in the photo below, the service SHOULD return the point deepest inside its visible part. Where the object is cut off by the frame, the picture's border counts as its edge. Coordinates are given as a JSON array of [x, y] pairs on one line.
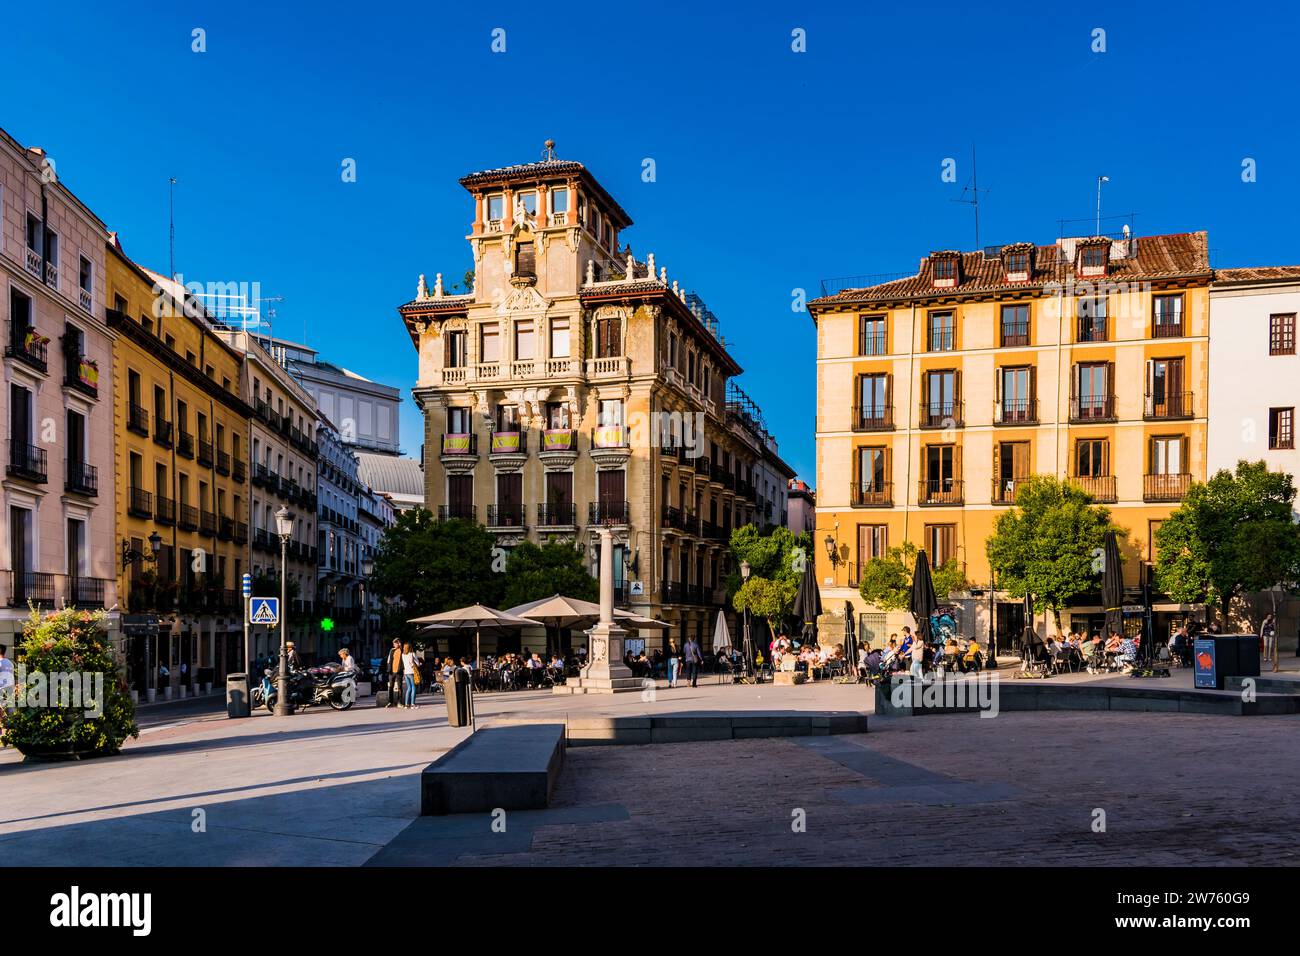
[[974, 190]]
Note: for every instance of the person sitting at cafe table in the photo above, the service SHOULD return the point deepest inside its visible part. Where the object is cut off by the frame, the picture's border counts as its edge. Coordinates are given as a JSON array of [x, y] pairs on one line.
[[972, 659]]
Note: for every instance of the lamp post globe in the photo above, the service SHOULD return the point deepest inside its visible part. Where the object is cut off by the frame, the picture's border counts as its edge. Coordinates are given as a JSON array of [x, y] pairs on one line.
[[283, 527]]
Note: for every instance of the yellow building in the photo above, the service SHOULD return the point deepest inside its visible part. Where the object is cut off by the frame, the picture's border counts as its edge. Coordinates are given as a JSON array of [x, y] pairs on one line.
[[181, 433], [939, 392]]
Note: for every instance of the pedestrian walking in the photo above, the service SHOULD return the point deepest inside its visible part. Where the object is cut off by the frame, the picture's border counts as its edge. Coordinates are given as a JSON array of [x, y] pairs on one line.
[[693, 657], [674, 663], [1268, 638], [395, 674], [408, 676]]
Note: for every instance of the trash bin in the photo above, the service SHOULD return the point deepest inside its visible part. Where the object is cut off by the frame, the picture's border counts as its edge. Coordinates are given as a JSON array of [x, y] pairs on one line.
[[237, 703], [460, 698], [1247, 655]]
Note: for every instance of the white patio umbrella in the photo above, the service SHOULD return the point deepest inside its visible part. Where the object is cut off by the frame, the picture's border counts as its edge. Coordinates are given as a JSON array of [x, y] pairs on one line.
[[721, 636]]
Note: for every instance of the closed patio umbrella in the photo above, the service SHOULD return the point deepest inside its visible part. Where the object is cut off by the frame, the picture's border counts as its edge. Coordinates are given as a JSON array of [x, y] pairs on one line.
[[923, 601], [807, 605], [1112, 584], [721, 636], [850, 638]]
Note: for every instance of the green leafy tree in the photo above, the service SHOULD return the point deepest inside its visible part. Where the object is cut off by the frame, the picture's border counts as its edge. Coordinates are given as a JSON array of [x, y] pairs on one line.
[[535, 572], [886, 582], [1232, 536], [424, 566], [1047, 545], [775, 553], [55, 648], [770, 599], [777, 558]]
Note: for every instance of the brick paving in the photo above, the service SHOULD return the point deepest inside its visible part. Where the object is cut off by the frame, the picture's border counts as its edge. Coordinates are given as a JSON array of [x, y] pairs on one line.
[[1177, 789]]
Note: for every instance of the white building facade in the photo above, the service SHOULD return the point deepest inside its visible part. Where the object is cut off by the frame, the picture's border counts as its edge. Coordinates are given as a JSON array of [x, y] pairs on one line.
[[1254, 368]]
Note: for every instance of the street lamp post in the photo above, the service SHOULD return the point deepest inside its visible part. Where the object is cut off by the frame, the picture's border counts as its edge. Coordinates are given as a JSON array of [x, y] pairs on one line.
[[283, 527], [367, 569], [749, 650]]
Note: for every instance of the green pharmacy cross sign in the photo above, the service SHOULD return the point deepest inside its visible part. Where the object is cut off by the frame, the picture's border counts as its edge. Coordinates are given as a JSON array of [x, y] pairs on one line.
[[327, 624]]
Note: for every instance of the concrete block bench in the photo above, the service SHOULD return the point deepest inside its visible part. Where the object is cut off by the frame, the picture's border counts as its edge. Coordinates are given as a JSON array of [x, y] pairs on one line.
[[512, 768]]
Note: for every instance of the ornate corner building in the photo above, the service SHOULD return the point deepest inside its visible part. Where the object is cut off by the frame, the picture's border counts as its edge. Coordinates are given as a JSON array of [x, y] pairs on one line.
[[570, 386]]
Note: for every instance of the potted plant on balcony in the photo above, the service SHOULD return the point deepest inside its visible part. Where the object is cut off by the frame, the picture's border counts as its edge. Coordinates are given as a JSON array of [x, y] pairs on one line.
[[70, 700]]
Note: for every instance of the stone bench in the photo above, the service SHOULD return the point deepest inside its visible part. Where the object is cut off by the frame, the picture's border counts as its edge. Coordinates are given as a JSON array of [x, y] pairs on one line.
[[509, 768]]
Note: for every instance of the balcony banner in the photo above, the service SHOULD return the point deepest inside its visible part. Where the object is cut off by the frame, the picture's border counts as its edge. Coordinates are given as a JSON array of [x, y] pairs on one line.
[[608, 436], [456, 445], [557, 439], [88, 372], [505, 442]]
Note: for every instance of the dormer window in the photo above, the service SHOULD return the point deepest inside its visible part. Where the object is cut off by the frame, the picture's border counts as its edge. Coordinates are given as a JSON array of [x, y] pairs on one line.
[[945, 267], [1094, 257]]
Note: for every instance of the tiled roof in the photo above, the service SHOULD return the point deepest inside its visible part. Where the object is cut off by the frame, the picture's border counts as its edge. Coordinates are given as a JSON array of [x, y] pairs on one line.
[[1257, 274], [546, 167], [1179, 254]]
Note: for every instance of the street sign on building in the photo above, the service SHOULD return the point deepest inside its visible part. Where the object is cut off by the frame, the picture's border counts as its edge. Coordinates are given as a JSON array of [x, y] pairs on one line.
[[265, 610]]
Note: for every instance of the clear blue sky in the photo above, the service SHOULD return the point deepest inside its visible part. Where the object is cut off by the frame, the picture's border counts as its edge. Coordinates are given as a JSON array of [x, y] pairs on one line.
[[774, 169]]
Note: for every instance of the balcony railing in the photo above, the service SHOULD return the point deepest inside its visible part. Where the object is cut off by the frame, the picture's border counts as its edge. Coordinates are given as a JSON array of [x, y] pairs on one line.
[[1004, 490], [208, 523], [27, 462], [241, 532], [1100, 487], [607, 513], [262, 540], [82, 374], [139, 503], [559, 439], [165, 510], [460, 443], [137, 419], [873, 418], [939, 491], [225, 528], [457, 513], [205, 453], [1090, 330], [505, 516], [223, 462], [86, 592], [189, 518], [162, 432], [872, 343], [1167, 328], [674, 518], [185, 443], [239, 471], [27, 346], [1016, 411], [557, 516], [1015, 334], [81, 478], [31, 587], [1094, 408], [1165, 487], [941, 414], [871, 494], [1171, 405]]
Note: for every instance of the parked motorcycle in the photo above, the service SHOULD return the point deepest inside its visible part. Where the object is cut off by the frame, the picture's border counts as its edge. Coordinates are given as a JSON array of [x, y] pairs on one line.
[[316, 685]]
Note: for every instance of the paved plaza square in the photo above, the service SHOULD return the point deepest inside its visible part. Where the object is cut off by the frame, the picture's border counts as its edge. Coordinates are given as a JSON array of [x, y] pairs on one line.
[[325, 787]]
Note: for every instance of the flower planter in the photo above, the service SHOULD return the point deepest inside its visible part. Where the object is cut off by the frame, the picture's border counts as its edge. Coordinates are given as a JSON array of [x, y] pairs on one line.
[[52, 753]]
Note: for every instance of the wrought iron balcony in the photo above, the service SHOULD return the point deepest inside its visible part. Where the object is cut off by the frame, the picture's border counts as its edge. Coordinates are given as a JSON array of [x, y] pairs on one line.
[[1171, 405], [1165, 487], [1016, 411], [137, 419], [81, 478], [26, 345], [1092, 408], [27, 462], [940, 414], [505, 516], [939, 491], [873, 418], [607, 513], [139, 503], [1100, 487], [871, 494], [31, 587], [457, 513], [557, 515]]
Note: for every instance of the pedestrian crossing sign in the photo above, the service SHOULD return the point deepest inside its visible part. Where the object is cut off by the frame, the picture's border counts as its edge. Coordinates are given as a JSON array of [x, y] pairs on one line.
[[265, 610]]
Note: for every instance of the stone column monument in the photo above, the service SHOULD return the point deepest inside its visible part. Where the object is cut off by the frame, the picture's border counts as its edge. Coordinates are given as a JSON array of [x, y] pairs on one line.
[[605, 672]]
